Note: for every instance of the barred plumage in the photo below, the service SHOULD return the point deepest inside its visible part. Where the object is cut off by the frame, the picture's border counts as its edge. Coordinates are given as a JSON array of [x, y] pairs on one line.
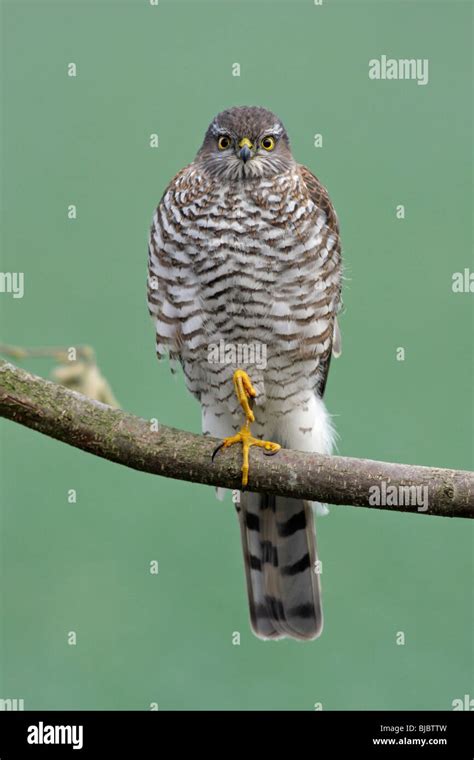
[[247, 253]]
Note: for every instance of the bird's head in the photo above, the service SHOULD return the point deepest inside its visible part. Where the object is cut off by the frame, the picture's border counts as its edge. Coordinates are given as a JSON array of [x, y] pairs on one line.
[[245, 142]]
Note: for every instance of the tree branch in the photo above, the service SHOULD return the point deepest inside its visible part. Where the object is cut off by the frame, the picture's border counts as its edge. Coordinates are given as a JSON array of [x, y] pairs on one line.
[[128, 440]]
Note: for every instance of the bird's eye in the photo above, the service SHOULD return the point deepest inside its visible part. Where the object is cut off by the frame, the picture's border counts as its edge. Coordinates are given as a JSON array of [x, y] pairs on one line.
[[224, 142], [268, 143]]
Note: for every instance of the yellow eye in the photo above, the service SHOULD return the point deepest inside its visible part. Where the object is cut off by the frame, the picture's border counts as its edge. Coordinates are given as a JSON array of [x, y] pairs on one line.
[[224, 142], [268, 143]]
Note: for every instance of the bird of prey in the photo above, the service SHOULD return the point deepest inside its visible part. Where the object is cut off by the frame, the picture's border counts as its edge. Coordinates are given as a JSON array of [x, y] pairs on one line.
[[245, 262]]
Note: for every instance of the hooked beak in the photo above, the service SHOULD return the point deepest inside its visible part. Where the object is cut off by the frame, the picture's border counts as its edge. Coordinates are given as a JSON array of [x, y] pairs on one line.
[[244, 153]]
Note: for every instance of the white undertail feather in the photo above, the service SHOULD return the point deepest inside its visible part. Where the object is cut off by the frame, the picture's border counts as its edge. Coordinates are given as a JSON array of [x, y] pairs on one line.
[[308, 428]]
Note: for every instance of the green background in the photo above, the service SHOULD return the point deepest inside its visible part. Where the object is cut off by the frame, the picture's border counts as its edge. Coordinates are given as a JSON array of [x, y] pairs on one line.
[[84, 567]]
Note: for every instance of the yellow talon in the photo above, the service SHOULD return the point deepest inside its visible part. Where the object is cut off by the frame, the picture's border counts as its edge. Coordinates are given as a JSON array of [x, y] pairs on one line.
[[244, 390]]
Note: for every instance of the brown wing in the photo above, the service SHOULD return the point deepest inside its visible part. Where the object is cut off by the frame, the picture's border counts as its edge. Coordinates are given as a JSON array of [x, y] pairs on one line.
[[319, 195]]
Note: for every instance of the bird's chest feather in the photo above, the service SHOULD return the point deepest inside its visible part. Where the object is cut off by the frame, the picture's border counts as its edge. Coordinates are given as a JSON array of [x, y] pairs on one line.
[[254, 264], [248, 245]]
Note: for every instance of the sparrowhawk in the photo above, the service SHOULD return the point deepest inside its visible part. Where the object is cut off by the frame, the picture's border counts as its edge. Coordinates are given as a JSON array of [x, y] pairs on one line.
[[244, 289]]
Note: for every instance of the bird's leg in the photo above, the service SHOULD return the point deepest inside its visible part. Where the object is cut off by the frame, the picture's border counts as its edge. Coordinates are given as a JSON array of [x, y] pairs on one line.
[[245, 390]]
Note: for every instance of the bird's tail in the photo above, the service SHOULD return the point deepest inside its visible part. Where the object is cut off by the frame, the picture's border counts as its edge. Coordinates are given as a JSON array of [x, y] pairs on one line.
[[279, 546]]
